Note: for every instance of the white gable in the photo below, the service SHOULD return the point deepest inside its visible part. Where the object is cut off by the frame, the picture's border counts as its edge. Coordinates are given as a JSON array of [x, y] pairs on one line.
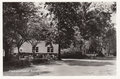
[[42, 48], [26, 47]]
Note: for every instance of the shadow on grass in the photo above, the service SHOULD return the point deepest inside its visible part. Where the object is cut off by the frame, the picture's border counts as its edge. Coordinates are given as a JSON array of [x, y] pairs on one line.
[[86, 63], [25, 73], [45, 72], [7, 68]]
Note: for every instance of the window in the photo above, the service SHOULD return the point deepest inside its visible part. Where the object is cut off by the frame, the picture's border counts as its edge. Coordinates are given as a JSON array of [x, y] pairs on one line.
[[50, 49], [33, 48], [36, 49], [20, 50]]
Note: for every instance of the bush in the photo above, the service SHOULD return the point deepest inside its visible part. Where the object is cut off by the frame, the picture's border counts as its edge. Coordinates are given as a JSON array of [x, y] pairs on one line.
[[73, 55], [17, 63], [39, 60], [20, 63]]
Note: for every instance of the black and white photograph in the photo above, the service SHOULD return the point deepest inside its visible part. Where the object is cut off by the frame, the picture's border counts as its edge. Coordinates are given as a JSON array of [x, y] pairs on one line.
[[59, 38]]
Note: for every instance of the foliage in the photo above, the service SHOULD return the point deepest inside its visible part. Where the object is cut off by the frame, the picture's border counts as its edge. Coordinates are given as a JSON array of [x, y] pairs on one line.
[[66, 16], [15, 18], [109, 41], [93, 20]]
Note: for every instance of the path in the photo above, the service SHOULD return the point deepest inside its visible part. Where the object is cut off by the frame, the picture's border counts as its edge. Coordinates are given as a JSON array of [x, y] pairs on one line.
[[68, 67]]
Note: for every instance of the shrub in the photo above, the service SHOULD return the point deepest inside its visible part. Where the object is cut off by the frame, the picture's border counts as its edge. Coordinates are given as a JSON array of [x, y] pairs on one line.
[[17, 63], [39, 60], [73, 55]]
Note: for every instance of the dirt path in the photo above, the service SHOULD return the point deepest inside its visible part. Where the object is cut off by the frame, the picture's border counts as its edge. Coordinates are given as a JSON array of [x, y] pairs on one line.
[[68, 67]]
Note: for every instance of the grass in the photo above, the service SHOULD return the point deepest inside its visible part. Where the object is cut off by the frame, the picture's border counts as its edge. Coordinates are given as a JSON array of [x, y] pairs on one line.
[[87, 63]]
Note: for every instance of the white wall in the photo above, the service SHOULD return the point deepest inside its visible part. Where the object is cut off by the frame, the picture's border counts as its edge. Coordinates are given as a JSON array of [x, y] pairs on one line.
[[43, 49], [55, 48], [27, 47]]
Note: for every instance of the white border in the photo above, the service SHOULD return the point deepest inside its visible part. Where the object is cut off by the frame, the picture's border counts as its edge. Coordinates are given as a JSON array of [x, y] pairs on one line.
[[62, 77]]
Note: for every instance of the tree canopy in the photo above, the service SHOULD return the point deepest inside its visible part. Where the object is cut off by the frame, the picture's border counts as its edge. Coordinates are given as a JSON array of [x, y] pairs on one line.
[[15, 19], [92, 19]]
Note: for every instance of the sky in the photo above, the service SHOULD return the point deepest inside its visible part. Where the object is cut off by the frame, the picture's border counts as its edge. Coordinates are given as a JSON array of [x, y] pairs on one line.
[[113, 18]]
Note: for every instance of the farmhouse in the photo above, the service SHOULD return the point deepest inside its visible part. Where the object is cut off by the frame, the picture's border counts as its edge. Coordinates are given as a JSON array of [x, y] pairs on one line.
[[41, 49]]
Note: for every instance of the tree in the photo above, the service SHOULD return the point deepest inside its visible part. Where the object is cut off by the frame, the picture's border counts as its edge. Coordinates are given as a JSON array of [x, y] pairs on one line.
[[113, 7], [34, 44], [109, 41], [19, 40], [39, 30], [15, 18], [96, 23], [23, 22], [66, 15], [92, 18]]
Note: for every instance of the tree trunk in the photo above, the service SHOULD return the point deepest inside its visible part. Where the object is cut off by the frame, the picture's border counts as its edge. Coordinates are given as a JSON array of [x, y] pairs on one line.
[[7, 54], [33, 50], [18, 52], [59, 46], [59, 52]]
